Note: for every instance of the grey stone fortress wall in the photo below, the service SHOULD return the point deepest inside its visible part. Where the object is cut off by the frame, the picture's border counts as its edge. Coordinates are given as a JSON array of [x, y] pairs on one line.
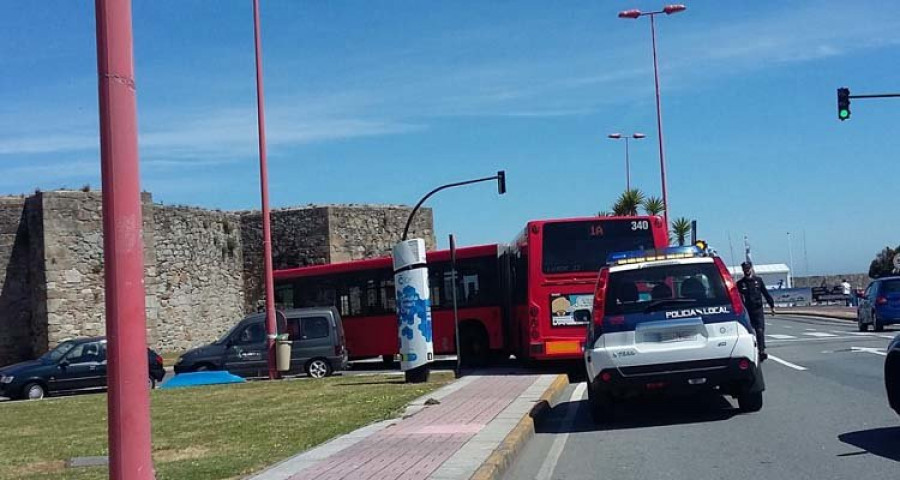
[[202, 267]]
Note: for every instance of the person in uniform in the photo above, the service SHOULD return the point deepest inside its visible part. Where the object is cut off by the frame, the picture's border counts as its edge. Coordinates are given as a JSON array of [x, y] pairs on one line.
[[752, 290]]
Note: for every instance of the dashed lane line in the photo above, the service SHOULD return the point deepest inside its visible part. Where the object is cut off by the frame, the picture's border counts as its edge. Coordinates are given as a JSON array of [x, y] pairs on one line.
[[787, 363]]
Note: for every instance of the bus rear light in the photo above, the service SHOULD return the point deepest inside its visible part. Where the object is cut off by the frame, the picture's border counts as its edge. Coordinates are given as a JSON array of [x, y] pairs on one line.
[[736, 303], [744, 364], [600, 298], [535, 334], [606, 376], [537, 348], [534, 311]]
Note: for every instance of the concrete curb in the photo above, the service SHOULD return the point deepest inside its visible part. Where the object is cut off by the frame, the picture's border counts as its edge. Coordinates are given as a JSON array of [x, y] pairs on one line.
[[502, 457]]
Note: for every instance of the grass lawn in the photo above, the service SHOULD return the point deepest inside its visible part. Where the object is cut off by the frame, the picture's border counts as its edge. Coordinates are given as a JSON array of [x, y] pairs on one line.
[[217, 432]]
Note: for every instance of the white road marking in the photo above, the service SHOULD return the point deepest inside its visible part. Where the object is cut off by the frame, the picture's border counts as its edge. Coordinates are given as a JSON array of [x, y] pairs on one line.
[[810, 329], [859, 334], [819, 334], [876, 351], [788, 327], [769, 324], [787, 363], [549, 465], [890, 337], [777, 336]]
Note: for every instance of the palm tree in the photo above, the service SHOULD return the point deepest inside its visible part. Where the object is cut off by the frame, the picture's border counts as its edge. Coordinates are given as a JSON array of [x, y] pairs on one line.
[[653, 205], [604, 213], [681, 228], [628, 203]]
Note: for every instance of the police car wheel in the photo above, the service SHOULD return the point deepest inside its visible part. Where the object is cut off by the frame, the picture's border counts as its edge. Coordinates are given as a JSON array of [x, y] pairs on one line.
[[750, 402]]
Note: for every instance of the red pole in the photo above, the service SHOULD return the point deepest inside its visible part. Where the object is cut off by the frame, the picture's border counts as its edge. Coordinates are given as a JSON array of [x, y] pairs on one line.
[[128, 394], [627, 167], [271, 329], [659, 129]]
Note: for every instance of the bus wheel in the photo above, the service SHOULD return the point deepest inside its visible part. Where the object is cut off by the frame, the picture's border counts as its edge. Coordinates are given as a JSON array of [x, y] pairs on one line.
[[474, 345]]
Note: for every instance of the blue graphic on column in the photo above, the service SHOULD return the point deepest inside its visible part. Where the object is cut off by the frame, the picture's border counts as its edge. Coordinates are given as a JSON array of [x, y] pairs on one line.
[[413, 306], [414, 324]]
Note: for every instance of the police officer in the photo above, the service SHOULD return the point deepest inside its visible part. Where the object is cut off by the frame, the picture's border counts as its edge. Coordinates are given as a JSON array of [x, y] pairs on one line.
[[752, 291]]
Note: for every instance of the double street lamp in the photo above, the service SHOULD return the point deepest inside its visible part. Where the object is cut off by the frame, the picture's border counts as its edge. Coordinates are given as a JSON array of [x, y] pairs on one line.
[[619, 136], [635, 14]]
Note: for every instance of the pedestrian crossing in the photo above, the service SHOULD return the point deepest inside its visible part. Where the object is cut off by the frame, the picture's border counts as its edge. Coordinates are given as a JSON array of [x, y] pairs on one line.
[[832, 334]]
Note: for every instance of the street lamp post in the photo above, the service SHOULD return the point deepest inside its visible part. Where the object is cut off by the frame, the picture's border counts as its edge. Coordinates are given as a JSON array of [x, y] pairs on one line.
[[619, 136], [634, 14], [268, 280]]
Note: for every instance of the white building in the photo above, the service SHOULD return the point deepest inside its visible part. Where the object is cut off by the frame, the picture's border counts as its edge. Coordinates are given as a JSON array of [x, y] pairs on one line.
[[774, 275]]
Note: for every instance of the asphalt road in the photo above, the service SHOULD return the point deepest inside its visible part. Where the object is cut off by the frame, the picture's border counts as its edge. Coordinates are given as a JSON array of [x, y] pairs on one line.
[[825, 416]]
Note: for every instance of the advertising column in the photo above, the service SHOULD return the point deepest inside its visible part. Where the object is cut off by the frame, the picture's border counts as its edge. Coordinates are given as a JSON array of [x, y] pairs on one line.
[[413, 309]]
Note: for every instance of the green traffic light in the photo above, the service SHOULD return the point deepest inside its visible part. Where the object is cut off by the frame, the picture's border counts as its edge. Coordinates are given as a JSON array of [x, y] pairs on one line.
[[844, 114]]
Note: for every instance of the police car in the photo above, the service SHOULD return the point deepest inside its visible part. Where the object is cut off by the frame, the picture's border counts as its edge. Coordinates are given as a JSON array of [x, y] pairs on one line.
[[669, 320]]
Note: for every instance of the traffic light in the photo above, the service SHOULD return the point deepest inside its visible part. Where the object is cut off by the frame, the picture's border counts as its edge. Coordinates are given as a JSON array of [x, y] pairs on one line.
[[843, 97], [501, 182]]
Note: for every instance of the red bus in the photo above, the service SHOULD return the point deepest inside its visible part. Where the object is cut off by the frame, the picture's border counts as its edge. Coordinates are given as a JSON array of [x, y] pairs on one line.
[[552, 267], [516, 299], [363, 292]]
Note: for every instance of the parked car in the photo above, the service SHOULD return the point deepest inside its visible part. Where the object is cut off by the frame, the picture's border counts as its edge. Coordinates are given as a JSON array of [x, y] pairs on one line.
[[879, 304], [892, 374], [317, 345], [74, 365], [669, 321]]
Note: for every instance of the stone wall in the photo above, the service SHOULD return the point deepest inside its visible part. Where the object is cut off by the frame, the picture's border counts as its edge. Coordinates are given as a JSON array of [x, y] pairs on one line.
[[202, 268], [74, 265], [15, 294], [366, 231], [299, 238], [200, 289]]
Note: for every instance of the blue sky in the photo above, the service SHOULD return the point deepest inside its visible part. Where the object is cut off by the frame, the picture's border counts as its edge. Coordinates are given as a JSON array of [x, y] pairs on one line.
[[376, 102]]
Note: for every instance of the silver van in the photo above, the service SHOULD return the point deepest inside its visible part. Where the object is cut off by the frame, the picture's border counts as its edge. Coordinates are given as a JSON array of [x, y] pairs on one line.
[[317, 345]]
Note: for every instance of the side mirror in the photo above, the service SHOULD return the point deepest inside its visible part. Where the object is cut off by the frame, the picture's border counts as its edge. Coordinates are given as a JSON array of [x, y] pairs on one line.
[[63, 363]]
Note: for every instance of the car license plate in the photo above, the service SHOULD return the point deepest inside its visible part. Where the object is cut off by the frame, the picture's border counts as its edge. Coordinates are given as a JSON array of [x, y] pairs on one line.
[[675, 336]]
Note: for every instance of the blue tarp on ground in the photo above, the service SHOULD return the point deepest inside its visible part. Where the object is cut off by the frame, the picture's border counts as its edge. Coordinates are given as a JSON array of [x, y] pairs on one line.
[[201, 378]]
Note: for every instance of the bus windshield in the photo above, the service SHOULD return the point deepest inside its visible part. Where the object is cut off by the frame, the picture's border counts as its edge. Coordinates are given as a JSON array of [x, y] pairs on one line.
[[583, 246]]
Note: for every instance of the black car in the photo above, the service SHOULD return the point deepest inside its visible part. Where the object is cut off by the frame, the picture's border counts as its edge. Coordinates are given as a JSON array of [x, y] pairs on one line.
[[73, 365], [892, 373]]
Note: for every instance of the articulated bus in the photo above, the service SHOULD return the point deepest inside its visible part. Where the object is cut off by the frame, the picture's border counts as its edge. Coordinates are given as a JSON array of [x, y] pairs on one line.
[[513, 299]]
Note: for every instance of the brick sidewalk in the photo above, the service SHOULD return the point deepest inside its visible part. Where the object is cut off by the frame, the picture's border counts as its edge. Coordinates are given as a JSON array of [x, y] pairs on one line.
[[416, 447]]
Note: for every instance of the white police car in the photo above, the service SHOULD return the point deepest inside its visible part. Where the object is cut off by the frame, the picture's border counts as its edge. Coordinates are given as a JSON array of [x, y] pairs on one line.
[[669, 320]]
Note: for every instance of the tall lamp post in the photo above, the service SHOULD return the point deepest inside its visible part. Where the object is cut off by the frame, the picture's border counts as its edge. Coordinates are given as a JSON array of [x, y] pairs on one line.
[[619, 136], [414, 294], [268, 280], [128, 396], [634, 14]]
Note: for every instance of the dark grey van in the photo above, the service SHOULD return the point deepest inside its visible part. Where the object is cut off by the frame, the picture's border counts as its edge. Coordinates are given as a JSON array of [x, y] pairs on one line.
[[317, 345]]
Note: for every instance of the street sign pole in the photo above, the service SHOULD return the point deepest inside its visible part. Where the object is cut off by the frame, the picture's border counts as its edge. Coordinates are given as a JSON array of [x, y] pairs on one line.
[[455, 305]]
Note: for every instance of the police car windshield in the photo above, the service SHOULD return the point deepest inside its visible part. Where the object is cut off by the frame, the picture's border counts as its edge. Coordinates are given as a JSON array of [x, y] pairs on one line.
[[665, 287]]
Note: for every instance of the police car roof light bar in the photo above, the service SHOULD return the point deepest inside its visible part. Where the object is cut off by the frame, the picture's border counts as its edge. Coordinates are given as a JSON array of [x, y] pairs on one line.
[[638, 256]]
